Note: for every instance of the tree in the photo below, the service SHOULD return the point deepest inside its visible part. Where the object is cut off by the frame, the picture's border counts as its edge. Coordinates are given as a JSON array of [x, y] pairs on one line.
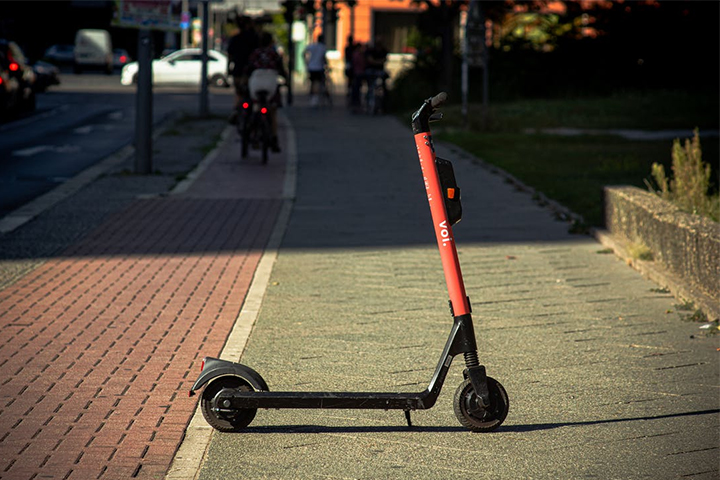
[[439, 20]]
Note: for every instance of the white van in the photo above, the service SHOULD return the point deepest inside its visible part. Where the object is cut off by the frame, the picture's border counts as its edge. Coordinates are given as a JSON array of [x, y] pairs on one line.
[[93, 49]]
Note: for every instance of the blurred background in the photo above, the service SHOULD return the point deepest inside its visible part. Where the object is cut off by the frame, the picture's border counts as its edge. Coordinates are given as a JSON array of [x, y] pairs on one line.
[[543, 89]]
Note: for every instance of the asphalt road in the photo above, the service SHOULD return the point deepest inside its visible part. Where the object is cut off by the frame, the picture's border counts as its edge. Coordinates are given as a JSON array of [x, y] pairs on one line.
[[76, 124]]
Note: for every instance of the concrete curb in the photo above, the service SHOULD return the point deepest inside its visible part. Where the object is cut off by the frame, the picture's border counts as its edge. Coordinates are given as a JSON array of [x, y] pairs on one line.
[[203, 165], [663, 277], [30, 210], [685, 247], [191, 453]]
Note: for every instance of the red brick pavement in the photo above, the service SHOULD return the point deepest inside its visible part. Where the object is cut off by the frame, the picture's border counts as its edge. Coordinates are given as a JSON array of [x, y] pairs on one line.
[[99, 347]]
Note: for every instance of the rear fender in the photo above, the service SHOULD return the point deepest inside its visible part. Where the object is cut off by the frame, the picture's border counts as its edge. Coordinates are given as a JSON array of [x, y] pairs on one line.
[[215, 368]]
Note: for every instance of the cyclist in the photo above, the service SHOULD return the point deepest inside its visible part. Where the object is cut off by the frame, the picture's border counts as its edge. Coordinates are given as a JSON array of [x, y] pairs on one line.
[[240, 47], [315, 60], [264, 66]]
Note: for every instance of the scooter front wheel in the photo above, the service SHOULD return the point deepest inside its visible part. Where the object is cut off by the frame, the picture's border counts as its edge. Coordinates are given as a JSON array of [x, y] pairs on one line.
[[225, 419], [470, 411]]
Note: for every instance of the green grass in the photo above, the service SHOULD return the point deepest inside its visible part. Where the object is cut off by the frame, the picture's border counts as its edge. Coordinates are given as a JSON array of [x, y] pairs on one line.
[[573, 170]]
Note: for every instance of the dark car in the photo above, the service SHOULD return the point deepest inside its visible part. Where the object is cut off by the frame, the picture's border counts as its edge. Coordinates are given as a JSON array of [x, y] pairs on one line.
[[46, 75], [60, 54], [121, 58], [17, 91]]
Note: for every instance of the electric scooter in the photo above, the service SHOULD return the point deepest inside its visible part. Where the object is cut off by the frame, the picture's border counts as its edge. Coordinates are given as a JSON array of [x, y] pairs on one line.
[[234, 392]]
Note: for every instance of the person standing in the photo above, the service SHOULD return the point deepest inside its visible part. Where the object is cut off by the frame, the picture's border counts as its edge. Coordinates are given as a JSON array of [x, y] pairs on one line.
[[358, 65], [349, 50], [315, 61]]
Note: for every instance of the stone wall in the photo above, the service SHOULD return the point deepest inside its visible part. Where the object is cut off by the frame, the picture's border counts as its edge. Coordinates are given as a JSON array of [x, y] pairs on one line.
[[686, 245]]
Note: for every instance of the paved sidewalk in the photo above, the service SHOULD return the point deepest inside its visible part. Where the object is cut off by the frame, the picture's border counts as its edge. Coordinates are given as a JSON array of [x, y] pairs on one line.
[[605, 378], [101, 340], [102, 335]]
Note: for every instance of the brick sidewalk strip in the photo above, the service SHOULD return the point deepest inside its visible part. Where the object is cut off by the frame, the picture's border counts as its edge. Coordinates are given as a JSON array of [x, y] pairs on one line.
[[98, 344]]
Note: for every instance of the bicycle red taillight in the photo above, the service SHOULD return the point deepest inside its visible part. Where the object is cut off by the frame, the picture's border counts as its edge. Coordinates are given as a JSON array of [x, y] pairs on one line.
[[263, 110], [246, 105], [14, 67]]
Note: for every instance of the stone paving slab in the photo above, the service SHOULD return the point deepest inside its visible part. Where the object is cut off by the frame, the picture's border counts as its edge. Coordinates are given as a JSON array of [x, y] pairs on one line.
[[100, 344], [605, 379]]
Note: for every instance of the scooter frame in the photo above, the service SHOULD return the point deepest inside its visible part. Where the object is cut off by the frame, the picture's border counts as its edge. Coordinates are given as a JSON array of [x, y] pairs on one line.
[[234, 391]]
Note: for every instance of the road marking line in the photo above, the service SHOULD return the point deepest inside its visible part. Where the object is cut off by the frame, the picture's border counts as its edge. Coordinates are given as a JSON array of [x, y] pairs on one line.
[[29, 152]]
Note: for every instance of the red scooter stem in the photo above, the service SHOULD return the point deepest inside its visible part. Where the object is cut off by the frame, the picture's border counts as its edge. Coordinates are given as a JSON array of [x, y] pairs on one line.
[[441, 223]]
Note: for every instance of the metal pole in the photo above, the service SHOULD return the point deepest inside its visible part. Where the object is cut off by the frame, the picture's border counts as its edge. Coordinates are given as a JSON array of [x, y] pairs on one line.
[[464, 69], [291, 63], [204, 69], [352, 20], [324, 21], [485, 60], [144, 105], [184, 31]]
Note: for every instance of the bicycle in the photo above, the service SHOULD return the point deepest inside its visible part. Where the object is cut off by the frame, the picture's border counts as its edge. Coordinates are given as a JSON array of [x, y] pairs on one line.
[[376, 90], [255, 125], [321, 90]]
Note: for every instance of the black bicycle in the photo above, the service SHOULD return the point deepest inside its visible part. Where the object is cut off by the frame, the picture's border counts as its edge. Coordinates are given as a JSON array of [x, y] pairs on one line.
[[254, 125]]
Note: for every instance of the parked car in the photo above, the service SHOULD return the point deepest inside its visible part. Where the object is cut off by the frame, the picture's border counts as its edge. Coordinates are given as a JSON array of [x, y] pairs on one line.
[[93, 49], [60, 54], [17, 90], [9, 91], [46, 75], [182, 67], [121, 57]]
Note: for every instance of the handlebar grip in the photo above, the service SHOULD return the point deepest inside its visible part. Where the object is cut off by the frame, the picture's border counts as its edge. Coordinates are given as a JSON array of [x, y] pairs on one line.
[[438, 99]]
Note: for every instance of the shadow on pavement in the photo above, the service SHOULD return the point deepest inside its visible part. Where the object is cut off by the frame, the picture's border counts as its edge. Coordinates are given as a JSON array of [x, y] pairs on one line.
[[295, 429]]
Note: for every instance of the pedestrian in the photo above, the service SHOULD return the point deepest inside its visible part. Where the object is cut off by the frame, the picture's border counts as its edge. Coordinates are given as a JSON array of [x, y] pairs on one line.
[[316, 61], [239, 49], [349, 74], [358, 66]]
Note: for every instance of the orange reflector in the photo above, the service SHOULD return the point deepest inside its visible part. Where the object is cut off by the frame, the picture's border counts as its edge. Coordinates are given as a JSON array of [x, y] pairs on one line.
[[450, 193]]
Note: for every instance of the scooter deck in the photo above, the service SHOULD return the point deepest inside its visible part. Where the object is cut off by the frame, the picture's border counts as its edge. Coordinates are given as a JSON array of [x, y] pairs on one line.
[[336, 400]]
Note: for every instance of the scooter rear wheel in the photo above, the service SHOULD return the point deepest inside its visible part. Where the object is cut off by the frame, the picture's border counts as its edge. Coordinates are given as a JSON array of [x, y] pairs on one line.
[[470, 412], [222, 419]]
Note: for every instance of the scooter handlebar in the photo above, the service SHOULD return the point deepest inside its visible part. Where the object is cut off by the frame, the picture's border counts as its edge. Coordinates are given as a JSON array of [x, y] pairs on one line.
[[421, 119], [438, 100]]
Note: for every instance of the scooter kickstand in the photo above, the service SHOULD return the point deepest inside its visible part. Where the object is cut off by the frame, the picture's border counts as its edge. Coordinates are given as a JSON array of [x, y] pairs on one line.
[[407, 417]]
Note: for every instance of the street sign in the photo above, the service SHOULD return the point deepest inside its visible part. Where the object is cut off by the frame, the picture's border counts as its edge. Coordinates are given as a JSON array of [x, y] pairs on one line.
[[475, 31], [150, 14]]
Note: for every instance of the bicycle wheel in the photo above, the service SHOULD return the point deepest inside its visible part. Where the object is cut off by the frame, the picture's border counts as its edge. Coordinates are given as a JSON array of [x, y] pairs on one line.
[[265, 137], [379, 99], [244, 126]]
